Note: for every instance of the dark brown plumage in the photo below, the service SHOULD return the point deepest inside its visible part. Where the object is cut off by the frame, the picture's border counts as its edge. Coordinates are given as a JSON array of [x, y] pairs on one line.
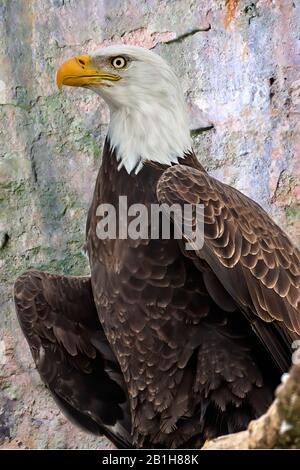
[[190, 345], [59, 320]]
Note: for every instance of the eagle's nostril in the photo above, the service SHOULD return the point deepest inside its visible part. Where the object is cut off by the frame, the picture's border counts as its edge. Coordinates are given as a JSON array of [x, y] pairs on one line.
[[81, 61]]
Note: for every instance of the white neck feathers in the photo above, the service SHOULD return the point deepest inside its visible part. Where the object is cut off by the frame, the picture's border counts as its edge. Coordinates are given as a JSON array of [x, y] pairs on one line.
[[155, 131]]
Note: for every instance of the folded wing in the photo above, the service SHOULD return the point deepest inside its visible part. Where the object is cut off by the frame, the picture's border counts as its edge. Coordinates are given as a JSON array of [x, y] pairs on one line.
[[73, 357], [246, 252]]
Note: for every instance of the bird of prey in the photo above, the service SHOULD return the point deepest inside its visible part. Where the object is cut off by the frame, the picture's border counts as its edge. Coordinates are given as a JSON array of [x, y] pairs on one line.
[[162, 346]]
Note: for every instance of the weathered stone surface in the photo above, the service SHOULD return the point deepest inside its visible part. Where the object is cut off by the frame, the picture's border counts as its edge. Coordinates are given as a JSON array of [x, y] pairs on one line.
[[239, 66]]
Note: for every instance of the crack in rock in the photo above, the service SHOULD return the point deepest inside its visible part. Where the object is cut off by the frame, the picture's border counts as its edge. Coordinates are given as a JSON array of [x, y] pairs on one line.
[[183, 36]]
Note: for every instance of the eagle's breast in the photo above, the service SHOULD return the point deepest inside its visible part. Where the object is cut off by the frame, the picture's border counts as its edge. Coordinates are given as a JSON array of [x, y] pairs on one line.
[[150, 299]]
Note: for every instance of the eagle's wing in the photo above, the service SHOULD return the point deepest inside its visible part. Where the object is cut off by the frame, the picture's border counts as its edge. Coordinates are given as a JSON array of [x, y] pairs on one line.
[[247, 253], [60, 322]]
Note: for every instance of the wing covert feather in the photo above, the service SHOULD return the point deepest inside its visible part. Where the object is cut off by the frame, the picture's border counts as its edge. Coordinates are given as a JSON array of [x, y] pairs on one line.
[[250, 255]]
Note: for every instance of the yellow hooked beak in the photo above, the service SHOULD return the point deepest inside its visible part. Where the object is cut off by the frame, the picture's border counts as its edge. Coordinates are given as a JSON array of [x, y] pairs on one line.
[[79, 72]]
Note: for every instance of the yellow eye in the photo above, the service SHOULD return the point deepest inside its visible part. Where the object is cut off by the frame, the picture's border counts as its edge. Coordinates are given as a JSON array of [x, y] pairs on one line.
[[118, 62]]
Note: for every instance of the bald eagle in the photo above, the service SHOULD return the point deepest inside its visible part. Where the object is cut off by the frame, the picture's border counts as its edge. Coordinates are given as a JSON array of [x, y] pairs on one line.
[[162, 346]]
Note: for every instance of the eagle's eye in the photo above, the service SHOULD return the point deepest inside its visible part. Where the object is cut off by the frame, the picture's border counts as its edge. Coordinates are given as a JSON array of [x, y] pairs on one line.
[[118, 62]]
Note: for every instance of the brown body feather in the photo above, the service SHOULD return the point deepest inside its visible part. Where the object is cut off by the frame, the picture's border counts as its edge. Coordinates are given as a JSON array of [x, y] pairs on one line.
[[201, 338]]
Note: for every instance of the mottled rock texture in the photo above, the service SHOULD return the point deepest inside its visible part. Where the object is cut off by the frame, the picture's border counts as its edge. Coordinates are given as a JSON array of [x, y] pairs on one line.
[[238, 61]]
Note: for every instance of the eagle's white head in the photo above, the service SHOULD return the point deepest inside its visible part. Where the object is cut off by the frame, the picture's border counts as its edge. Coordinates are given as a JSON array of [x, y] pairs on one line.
[[148, 114]]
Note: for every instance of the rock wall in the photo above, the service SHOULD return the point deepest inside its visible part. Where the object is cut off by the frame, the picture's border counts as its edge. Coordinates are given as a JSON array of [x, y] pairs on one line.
[[238, 61]]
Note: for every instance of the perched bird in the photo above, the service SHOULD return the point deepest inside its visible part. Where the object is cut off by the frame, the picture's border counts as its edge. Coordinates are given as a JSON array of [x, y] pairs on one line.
[[162, 346]]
